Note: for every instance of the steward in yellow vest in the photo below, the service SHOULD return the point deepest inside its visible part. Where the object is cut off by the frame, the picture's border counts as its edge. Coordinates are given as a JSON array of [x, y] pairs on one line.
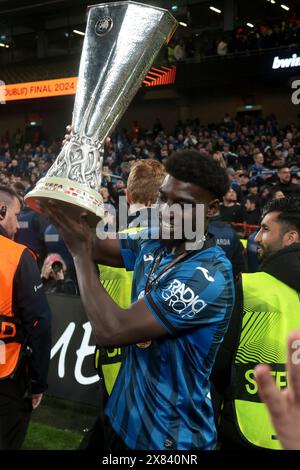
[[267, 309]]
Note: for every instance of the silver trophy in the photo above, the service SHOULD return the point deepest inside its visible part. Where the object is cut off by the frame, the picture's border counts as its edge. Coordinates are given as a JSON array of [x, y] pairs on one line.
[[121, 42]]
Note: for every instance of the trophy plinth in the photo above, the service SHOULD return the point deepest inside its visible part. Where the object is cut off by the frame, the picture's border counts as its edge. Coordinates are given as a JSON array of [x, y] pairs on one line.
[[72, 197], [121, 42]]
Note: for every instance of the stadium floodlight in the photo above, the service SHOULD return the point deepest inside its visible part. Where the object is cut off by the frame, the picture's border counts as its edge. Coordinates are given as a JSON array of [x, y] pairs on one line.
[[285, 7], [216, 10], [81, 33], [250, 25], [183, 24], [4, 45]]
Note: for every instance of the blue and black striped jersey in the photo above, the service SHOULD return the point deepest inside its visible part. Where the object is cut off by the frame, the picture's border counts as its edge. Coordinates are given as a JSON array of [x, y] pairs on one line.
[[161, 399]]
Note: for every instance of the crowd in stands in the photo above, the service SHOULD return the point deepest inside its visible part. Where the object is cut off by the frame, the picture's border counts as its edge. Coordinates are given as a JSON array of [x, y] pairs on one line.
[[262, 161], [266, 35]]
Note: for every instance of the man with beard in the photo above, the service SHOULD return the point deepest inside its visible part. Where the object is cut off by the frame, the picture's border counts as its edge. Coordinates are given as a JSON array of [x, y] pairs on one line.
[[182, 300], [267, 309]]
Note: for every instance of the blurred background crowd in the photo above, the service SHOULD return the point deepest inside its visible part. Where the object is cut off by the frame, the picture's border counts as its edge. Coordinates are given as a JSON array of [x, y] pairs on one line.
[[255, 37], [262, 162]]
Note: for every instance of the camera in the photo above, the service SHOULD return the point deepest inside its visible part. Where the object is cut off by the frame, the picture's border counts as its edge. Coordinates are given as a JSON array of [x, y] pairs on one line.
[[57, 266]]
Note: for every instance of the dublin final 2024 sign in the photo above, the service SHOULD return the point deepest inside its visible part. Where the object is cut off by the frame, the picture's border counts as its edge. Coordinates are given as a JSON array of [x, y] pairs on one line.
[[157, 76]]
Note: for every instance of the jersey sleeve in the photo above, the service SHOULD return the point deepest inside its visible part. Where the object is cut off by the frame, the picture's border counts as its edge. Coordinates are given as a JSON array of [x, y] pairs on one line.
[[192, 297], [131, 244]]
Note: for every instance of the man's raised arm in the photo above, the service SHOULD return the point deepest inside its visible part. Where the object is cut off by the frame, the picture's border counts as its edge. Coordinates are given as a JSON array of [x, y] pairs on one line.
[[107, 252]]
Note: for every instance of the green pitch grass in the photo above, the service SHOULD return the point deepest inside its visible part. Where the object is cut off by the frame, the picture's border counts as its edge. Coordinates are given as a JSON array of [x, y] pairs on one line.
[[43, 437]]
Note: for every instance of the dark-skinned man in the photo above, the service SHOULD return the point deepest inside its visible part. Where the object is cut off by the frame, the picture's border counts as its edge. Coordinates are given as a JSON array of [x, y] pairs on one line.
[[182, 301]]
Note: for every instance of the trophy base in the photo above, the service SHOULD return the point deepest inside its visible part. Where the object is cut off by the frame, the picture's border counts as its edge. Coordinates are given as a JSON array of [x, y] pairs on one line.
[[73, 198]]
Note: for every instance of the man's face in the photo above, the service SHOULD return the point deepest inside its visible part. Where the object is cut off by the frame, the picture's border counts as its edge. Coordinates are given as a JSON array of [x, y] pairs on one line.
[[120, 184], [284, 175], [104, 193], [253, 190], [259, 159], [244, 179], [271, 236], [186, 199], [249, 205], [10, 222], [231, 196]]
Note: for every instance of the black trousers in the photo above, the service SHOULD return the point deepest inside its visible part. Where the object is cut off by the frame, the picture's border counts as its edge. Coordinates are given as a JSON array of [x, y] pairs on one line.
[[15, 412], [102, 437]]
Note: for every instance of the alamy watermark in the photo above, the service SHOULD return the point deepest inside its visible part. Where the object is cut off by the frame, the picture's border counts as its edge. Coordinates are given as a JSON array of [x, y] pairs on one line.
[[164, 222], [296, 94], [295, 358]]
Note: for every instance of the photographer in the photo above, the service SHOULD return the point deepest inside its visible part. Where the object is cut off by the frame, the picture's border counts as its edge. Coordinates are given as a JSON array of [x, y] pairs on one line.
[[54, 276]]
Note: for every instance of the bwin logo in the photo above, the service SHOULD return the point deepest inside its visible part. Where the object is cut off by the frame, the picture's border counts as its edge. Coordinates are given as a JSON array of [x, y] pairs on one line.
[[293, 61], [183, 299]]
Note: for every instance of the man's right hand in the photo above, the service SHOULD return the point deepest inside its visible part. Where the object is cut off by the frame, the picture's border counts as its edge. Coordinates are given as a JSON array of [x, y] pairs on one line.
[[68, 136], [58, 276], [36, 399], [106, 175]]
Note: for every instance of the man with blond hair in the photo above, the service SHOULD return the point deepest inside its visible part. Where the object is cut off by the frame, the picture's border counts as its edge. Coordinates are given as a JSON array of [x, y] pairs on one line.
[[144, 181]]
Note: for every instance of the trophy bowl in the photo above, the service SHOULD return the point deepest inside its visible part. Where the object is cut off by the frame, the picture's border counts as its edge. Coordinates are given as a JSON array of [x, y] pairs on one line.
[[122, 39]]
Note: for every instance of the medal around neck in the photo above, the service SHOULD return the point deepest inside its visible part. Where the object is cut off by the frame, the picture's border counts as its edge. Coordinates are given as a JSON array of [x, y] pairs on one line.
[[122, 39]]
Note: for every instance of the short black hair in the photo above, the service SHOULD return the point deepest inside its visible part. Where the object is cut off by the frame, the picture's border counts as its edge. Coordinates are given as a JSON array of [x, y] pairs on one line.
[[253, 199], [19, 188], [9, 193], [252, 184], [289, 211], [202, 170]]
